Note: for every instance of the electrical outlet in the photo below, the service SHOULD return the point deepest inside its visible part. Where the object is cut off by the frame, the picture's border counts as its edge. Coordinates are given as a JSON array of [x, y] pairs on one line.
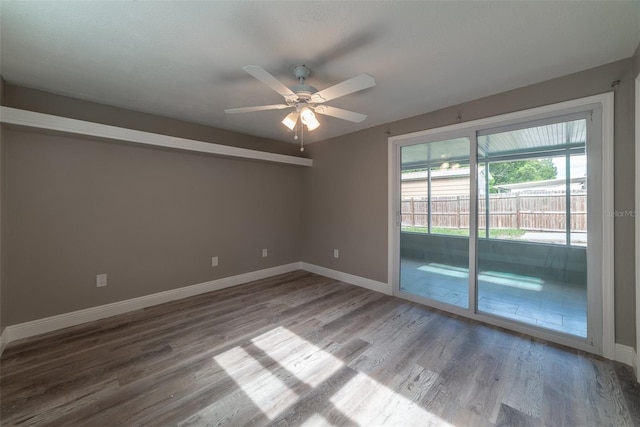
[[264, 253], [101, 280], [336, 253], [214, 261]]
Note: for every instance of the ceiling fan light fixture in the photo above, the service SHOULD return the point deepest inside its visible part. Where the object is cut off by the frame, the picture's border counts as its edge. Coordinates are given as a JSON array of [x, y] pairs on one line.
[[314, 124], [291, 120], [308, 118], [305, 99]]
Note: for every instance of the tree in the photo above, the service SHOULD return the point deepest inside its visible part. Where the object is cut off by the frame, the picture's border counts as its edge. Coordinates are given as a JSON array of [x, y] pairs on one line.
[[520, 171]]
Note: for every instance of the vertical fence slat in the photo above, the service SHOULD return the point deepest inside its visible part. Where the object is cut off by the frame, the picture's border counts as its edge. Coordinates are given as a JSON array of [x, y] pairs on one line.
[[535, 211], [411, 210]]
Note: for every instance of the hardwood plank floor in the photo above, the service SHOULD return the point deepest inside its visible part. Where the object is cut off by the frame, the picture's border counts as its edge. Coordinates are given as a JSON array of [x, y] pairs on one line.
[[301, 349]]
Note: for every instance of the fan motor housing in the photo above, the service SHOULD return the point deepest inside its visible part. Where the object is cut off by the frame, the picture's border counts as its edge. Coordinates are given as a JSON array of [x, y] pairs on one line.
[[304, 91]]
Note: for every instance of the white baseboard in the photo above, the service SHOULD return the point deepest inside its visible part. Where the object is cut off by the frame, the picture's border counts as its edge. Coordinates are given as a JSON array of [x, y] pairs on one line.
[[53, 323], [626, 355], [623, 353], [363, 282], [3, 340]]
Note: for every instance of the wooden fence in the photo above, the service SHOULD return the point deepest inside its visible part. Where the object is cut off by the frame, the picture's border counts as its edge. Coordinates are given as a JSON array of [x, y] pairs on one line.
[[536, 212]]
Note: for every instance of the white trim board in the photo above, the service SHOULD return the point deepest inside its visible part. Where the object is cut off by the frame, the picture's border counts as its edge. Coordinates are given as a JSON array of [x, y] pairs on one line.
[[363, 282], [637, 221], [3, 341], [606, 102], [32, 119], [61, 321], [625, 354], [53, 323]]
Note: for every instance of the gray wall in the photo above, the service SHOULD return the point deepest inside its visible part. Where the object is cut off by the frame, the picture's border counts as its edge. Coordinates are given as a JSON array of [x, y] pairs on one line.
[[636, 62], [150, 218], [345, 197]]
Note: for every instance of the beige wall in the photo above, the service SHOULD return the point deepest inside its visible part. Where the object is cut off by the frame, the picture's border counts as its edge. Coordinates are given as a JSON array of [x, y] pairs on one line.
[[345, 197], [150, 218]]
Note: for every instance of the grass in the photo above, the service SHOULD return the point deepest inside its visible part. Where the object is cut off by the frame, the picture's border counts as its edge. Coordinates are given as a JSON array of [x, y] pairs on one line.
[[498, 233]]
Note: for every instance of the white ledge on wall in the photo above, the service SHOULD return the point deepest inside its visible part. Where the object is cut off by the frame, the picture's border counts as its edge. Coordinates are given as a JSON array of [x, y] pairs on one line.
[[32, 119]]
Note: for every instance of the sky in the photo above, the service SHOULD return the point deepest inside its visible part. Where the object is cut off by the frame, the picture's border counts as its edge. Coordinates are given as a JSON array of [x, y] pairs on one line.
[[578, 166]]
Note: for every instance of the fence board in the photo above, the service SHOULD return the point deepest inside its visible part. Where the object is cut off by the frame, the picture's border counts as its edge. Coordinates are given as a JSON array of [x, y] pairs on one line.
[[533, 212]]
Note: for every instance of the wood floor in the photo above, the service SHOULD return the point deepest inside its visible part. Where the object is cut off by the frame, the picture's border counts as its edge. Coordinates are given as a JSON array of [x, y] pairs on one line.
[[301, 349]]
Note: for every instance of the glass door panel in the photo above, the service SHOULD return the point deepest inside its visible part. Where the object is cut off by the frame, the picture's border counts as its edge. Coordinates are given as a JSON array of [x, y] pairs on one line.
[[532, 226], [434, 235]]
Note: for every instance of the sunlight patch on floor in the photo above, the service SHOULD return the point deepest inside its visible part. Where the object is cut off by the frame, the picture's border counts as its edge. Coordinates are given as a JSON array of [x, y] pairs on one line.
[[513, 280], [369, 403], [496, 277], [264, 389], [308, 363], [274, 367], [316, 420], [445, 270]]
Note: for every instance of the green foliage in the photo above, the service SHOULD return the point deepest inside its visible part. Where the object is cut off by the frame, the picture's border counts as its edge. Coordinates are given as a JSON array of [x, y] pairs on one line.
[[520, 171]]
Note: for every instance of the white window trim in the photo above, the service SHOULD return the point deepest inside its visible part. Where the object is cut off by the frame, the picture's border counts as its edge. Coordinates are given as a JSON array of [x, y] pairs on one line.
[[606, 101], [637, 213]]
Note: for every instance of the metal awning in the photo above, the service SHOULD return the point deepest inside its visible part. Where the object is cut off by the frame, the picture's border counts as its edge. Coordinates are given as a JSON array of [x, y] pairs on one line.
[[538, 141]]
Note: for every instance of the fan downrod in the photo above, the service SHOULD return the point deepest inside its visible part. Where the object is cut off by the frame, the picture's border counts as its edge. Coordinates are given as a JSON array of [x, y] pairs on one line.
[[304, 92]]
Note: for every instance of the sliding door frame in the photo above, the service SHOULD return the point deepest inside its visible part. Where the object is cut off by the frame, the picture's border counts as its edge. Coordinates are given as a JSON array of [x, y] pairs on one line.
[[602, 103], [636, 362]]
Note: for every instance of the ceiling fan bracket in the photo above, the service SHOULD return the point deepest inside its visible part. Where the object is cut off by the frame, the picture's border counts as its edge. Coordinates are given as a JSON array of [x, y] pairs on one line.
[[301, 72]]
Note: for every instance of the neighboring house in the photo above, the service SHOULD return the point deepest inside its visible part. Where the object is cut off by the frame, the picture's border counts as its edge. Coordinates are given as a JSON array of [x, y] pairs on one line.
[[560, 184], [448, 182]]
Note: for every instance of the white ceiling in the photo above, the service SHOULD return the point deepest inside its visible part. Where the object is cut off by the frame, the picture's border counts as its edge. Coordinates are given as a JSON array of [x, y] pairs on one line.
[[184, 59]]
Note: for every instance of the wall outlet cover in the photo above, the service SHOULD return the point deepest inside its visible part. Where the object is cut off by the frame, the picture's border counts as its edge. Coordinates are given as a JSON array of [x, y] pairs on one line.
[[101, 280]]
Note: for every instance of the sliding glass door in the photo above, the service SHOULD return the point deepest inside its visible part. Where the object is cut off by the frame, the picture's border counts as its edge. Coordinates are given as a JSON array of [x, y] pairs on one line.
[[434, 243], [532, 267], [504, 224]]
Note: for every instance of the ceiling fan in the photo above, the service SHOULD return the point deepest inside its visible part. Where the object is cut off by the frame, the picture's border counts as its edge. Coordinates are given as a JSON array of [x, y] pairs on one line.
[[306, 100]]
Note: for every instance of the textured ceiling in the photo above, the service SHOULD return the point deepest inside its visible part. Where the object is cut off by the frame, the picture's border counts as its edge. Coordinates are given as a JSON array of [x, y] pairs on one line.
[[184, 59]]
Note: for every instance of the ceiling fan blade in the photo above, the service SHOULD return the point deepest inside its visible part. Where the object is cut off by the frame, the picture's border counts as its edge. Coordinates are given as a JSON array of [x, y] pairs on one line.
[[340, 113], [258, 108], [359, 82], [265, 77]]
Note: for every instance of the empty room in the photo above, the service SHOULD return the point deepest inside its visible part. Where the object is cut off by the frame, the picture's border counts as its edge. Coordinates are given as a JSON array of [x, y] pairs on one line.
[[320, 213]]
